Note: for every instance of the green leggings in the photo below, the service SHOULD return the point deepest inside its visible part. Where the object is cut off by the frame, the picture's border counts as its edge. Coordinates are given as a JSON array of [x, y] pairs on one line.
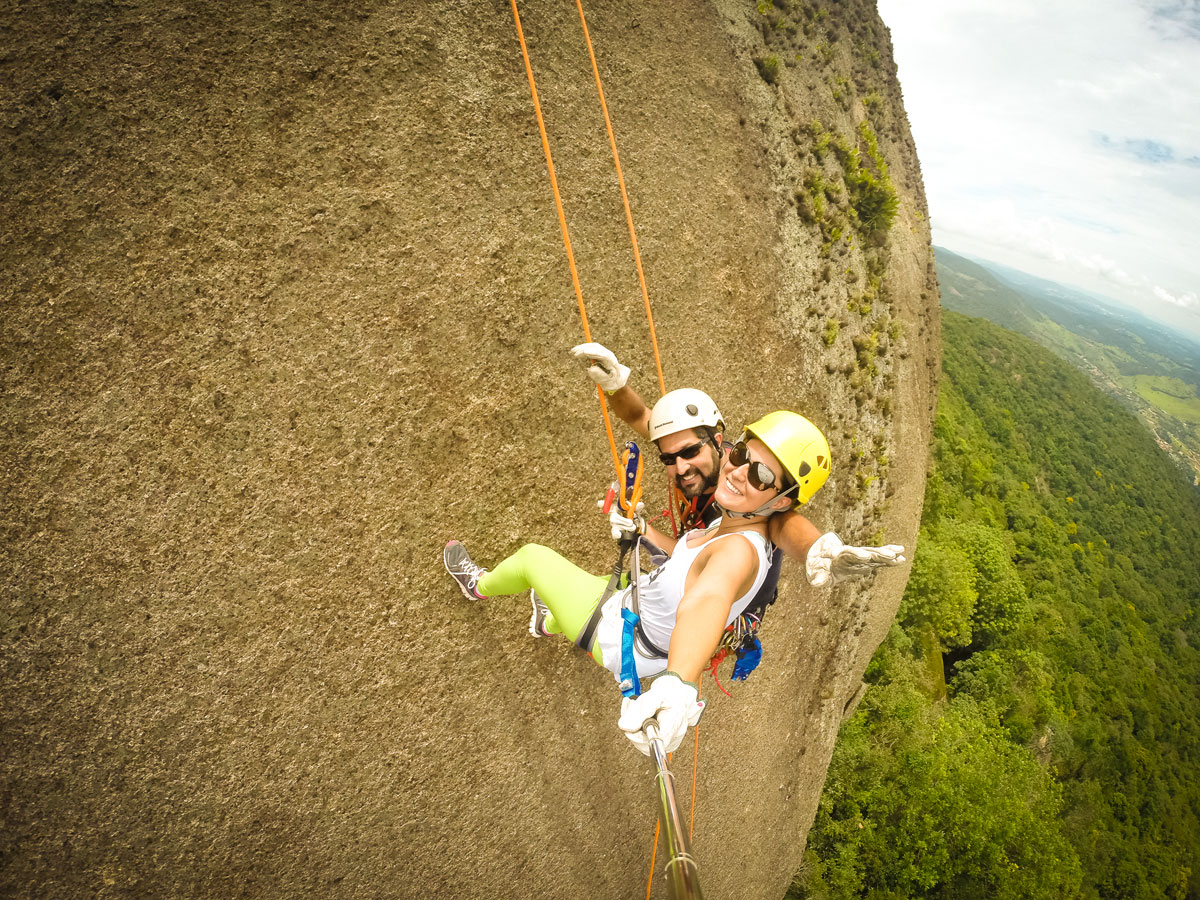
[[568, 591]]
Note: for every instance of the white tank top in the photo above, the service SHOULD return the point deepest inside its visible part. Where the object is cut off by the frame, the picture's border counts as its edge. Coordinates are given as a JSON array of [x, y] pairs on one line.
[[659, 595]]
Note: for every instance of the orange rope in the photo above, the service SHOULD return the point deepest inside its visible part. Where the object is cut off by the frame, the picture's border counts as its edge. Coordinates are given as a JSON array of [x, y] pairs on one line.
[[637, 256], [562, 221], [653, 854]]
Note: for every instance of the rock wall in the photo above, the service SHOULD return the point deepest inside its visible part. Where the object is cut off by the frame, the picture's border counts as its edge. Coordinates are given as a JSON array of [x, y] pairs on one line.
[[287, 306]]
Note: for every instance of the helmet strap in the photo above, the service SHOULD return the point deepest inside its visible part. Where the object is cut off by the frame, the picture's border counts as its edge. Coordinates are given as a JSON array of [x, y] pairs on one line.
[[763, 510]]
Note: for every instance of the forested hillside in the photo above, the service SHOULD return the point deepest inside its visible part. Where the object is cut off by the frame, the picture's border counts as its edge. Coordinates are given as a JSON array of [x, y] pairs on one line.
[[1033, 728], [1149, 367]]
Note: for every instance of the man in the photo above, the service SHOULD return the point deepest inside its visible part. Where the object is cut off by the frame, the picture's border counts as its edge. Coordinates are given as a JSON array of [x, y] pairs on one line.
[[688, 430]]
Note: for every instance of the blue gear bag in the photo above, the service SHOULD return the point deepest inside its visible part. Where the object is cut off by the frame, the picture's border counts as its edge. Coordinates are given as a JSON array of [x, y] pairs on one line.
[[747, 660]]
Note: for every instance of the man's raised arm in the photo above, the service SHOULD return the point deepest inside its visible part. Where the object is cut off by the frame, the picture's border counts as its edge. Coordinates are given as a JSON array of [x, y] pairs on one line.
[[610, 375]]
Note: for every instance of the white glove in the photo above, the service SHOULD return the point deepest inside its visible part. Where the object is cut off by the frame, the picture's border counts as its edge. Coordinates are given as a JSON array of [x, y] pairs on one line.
[[602, 365], [624, 526], [670, 700], [831, 561]]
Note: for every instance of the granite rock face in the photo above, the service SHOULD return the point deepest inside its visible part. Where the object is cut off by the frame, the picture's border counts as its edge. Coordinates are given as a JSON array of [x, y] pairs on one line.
[[287, 307]]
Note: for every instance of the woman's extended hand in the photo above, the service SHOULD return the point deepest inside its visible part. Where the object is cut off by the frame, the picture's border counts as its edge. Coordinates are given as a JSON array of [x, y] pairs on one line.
[[670, 700]]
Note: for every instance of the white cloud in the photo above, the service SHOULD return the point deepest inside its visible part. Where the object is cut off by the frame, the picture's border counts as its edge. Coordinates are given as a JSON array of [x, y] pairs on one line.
[[1102, 265], [1184, 301], [1064, 136], [1000, 223]]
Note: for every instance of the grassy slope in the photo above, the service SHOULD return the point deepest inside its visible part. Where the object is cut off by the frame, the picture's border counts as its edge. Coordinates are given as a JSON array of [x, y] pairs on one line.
[[1175, 397]]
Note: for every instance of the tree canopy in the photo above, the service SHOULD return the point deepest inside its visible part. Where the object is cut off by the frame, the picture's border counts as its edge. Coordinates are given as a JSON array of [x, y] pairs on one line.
[[1051, 748]]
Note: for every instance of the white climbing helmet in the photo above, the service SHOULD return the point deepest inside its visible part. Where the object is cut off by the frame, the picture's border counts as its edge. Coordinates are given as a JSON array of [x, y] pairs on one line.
[[683, 409]]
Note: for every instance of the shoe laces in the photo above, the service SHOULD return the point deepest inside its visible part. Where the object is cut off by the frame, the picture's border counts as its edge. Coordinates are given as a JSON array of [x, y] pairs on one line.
[[472, 571]]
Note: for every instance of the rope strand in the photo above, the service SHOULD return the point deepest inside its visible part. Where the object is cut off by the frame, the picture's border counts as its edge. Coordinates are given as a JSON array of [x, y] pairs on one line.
[[653, 855], [637, 256], [562, 221], [566, 234]]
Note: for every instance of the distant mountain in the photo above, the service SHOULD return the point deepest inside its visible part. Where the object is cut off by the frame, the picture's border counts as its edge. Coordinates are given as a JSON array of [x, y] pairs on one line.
[[1152, 368], [971, 289], [1082, 310]]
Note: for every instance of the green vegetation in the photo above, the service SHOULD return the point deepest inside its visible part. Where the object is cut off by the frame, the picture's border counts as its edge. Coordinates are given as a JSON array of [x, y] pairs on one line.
[[1173, 396], [842, 91], [1119, 349], [831, 332], [768, 67], [872, 195], [857, 194], [1032, 728], [873, 103]]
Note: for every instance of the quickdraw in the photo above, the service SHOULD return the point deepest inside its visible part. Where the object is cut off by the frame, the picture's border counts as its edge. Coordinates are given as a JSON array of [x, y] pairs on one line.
[[741, 639]]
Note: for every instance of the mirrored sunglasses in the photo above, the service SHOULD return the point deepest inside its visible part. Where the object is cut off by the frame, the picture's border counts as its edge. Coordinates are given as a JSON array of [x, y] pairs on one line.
[[759, 474]]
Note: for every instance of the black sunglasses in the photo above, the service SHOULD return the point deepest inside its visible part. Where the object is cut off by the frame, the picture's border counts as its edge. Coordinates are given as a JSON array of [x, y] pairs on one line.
[[759, 474], [688, 452]]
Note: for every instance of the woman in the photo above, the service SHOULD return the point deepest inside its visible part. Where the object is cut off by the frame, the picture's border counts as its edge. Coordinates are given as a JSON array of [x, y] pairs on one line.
[[686, 603]]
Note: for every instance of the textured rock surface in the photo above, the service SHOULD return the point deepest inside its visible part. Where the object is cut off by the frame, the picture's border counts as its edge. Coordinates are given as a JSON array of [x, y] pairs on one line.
[[286, 307]]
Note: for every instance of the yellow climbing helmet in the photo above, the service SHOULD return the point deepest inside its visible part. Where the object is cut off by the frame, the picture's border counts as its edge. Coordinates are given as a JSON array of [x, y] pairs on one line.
[[799, 446]]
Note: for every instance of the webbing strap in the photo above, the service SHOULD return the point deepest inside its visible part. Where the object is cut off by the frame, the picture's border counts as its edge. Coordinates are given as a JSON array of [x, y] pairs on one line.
[[631, 685], [587, 634]]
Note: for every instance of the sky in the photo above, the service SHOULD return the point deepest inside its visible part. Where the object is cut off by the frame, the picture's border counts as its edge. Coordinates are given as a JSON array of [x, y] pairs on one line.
[[1062, 138]]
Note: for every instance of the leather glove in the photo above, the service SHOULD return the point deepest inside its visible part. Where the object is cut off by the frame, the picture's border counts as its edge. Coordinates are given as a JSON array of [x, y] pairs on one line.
[[830, 561], [602, 365], [670, 700]]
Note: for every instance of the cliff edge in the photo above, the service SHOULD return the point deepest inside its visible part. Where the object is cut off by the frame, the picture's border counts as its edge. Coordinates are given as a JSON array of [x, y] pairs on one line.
[[287, 307]]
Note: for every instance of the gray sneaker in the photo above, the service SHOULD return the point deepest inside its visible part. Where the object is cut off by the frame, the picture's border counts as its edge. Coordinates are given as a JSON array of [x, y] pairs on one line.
[[537, 622], [463, 569]]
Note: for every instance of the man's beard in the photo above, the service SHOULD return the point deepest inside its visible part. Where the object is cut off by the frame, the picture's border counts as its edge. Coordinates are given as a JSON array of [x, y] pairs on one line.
[[706, 484]]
